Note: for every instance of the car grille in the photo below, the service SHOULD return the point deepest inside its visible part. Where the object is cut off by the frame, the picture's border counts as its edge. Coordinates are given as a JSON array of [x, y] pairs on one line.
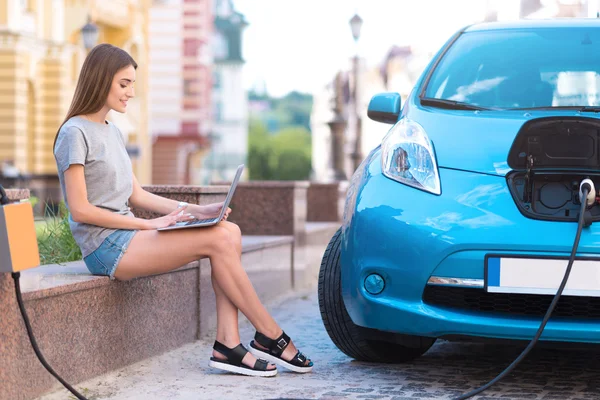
[[479, 300]]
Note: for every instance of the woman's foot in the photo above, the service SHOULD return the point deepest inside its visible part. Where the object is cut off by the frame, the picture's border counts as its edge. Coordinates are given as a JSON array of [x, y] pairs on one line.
[[249, 360], [280, 351], [239, 360]]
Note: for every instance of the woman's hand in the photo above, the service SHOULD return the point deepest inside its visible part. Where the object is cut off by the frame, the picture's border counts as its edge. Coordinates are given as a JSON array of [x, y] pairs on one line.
[[211, 211], [179, 215]]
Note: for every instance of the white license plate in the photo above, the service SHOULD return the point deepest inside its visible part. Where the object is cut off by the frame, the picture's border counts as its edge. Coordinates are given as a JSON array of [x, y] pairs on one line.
[[515, 274]]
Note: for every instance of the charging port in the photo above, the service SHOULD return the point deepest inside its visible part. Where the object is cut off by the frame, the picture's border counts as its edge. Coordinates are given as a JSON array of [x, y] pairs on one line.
[[550, 158], [551, 196]]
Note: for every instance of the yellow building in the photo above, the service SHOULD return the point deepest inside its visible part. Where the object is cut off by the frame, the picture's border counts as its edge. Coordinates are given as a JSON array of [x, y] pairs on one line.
[[41, 52]]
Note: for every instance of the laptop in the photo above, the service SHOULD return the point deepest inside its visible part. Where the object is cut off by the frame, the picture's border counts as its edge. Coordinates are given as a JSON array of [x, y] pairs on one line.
[[199, 223]]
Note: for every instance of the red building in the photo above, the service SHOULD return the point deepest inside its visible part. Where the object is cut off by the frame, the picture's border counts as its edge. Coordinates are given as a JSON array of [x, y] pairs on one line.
[[180, 87]]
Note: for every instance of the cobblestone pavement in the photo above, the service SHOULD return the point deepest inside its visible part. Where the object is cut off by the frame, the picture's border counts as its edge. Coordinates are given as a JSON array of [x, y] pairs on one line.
[[445, 371]]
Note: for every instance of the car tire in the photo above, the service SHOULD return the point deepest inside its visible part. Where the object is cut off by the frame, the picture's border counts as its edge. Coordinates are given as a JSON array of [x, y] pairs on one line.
[[360, 343]]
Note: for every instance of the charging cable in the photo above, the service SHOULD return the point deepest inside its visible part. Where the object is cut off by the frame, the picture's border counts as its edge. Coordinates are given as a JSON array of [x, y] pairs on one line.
[[3, 197], [16, 276], [590, 198], [585, 188]]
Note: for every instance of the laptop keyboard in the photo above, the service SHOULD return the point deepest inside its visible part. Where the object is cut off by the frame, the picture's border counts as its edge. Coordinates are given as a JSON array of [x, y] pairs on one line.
[[195, 222]]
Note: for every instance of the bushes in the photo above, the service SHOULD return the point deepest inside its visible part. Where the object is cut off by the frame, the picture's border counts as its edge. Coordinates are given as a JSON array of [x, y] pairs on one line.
[[285, 155], [55, 241]]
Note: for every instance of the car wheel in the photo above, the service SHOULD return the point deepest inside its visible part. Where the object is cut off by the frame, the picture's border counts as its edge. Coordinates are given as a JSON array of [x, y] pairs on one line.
[[360, 343]]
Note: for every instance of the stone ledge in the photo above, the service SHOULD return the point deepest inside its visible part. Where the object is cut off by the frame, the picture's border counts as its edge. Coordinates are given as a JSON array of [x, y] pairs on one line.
[[57, 279], [318, 227], [219, 189], [269, 184], [256, 242], [17, 194], [88, 325]]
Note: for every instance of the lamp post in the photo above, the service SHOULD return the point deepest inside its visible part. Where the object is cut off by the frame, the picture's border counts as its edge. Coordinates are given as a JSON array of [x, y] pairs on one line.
[[355, 26], [338, 127], [89, 32]]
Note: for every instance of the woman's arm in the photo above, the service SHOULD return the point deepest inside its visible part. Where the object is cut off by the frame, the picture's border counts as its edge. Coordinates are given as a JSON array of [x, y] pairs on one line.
[[82, 211], [145, 200]]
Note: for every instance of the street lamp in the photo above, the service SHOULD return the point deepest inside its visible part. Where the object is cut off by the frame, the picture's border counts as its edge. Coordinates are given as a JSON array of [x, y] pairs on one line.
[[355, 25], [90, 35], [337, 127]]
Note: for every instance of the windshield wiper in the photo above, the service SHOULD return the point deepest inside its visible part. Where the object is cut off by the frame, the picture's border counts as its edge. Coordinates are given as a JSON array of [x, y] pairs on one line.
[[576, 108], [449, 104], [590, 109]]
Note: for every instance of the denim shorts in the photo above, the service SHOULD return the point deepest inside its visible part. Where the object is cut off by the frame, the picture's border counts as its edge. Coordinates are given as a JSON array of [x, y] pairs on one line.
[[104, 260]]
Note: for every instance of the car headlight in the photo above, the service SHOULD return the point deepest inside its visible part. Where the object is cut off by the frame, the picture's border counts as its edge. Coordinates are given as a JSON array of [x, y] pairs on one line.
[[407, 157]]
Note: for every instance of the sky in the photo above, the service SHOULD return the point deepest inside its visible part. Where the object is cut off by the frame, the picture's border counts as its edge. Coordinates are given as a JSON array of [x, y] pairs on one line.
[[301, 44]]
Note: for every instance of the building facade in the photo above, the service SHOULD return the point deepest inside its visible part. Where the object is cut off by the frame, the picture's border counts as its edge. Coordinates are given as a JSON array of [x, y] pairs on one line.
[[229, 135], [41, 53], [180, 88]]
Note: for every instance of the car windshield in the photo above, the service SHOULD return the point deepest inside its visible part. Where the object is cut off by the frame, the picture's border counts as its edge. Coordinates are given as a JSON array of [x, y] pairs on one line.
[[525, 68]]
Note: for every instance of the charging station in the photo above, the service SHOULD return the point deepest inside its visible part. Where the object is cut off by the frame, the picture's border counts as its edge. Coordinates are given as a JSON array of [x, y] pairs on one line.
[[18, 240], [18, 252]]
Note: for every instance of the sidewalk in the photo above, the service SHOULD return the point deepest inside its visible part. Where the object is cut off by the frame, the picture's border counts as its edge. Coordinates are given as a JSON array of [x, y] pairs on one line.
[[184, 373], [447, 370]]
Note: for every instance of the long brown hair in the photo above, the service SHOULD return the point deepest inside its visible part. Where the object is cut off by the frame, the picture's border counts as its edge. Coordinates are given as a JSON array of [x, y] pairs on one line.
[[95, 80]]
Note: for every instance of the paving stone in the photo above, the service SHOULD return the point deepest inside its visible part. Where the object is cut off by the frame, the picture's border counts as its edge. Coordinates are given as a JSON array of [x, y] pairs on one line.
[[446, 371]]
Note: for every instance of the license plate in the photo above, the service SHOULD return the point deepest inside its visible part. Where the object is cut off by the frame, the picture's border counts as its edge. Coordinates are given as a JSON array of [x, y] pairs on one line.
[[517, 274]]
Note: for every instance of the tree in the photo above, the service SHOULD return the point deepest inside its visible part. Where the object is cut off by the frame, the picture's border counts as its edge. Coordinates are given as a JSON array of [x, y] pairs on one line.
[[258, 151], [283, 156], [292, 149]]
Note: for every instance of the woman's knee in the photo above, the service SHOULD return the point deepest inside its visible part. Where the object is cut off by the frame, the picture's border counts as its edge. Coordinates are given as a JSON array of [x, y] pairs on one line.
[[234, 229], [222, 240]]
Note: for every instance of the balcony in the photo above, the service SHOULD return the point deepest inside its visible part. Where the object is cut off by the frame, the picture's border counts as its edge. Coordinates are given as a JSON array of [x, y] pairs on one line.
[[114, 13]]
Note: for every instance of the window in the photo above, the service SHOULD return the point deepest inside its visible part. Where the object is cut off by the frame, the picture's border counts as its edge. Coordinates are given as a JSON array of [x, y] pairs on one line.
[[216, 77], [188, 89], [543, 67], [220, 46], [217, 111]]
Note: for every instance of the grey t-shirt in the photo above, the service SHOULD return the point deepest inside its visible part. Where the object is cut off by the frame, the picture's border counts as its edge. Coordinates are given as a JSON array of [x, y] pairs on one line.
[[100, 148]]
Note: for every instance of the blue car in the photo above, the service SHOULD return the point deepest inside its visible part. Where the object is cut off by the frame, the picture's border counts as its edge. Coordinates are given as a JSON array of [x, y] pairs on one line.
[[461, 223]]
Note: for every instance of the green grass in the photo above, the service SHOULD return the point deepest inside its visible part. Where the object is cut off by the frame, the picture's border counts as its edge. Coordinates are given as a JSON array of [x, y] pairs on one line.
[[55, 241]]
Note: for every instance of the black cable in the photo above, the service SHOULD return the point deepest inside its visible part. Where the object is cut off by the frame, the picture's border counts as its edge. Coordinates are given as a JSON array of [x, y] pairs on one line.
[[520, 358], [16, 276], [3, 197]]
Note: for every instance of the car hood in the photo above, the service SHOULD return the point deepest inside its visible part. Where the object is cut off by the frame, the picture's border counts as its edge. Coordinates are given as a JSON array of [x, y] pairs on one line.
[[477, 141]]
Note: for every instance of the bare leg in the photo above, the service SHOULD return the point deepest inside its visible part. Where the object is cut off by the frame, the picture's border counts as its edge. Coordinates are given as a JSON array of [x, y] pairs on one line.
[[291, 350], [227, 313], [151, 252]]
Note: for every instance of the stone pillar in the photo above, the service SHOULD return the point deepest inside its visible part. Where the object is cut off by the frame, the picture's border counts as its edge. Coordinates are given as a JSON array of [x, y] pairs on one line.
[[322, 202], [270, 207]]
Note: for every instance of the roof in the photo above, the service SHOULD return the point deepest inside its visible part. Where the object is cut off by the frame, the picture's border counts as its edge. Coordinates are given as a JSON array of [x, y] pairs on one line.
[[536, 24]]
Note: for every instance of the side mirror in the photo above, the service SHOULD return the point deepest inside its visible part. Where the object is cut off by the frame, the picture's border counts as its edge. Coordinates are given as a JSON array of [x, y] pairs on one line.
[[384, 107]]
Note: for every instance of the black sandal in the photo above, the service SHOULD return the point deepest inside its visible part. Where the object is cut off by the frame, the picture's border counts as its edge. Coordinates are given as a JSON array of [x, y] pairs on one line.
[[233, 363], [275, 350]]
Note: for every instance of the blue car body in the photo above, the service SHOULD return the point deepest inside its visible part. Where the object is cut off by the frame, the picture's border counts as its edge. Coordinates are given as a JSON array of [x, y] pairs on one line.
[[429, 249]]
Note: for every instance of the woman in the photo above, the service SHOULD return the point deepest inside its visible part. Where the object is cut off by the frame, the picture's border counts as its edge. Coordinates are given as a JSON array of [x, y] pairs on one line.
[[99, 188]]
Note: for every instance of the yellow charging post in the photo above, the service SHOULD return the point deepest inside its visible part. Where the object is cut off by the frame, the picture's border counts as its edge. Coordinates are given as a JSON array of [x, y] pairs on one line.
[[18, 240], [18, 252]]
